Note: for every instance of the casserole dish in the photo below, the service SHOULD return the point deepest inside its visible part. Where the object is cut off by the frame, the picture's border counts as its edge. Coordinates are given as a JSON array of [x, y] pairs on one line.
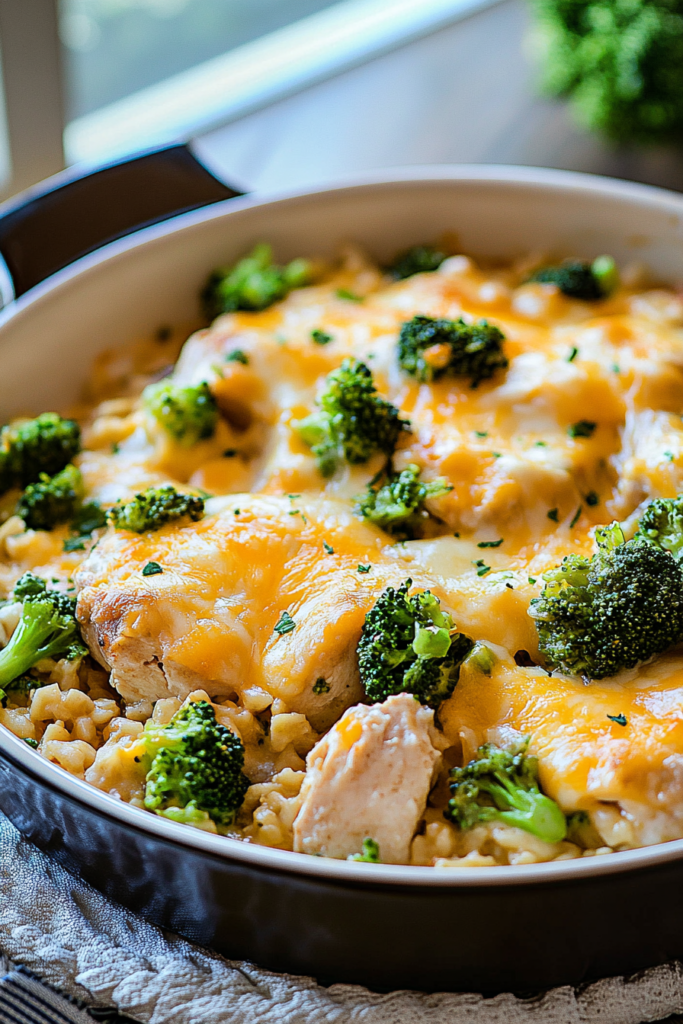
[[504, 928]]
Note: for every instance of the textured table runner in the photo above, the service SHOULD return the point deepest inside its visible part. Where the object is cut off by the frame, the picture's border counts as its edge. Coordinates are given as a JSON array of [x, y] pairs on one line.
[[104, 956]]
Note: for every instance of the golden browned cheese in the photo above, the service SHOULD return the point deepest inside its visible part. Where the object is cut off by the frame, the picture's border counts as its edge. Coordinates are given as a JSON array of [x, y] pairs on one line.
[[518, 474]]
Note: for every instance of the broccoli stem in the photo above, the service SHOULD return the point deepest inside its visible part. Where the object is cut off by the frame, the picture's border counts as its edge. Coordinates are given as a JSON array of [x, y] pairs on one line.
[[39, 634], [527, 809], [509, 780]]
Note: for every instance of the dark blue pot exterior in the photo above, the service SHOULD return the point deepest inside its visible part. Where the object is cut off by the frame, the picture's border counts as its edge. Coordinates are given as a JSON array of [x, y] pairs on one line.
[[517, 938]]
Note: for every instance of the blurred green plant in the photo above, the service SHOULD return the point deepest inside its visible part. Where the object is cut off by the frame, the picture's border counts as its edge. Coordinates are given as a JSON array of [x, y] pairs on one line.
[[620, 62]]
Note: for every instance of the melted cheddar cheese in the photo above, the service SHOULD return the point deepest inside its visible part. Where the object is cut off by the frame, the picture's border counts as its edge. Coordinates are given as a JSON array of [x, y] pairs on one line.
[[278, 537]]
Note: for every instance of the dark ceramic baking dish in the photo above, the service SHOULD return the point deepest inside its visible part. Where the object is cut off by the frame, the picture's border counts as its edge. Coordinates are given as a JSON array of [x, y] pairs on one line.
[[83, 275]]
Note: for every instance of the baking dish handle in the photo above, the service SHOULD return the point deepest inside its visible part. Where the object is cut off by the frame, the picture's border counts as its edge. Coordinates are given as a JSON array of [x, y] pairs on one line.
[[61, 219]]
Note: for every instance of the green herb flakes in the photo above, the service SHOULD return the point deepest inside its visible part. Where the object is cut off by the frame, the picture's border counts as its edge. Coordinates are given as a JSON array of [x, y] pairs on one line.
[[237, 356], [285, 624], [152, 569], [584, 428]]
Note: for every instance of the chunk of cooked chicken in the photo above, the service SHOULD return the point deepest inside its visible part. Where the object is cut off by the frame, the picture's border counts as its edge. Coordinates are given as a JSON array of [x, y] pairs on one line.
[[370, 776], [213, 617], [650, 462]]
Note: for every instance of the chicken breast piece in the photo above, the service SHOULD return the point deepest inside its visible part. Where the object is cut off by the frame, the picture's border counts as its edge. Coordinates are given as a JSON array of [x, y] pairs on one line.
[[213, 618], [369, 777]]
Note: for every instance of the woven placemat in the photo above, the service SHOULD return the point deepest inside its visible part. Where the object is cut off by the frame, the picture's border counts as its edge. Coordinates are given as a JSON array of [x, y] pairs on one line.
[[96, 952]]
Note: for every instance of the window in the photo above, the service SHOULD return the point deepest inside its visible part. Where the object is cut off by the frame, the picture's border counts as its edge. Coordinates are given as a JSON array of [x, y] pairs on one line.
[[116, 47]]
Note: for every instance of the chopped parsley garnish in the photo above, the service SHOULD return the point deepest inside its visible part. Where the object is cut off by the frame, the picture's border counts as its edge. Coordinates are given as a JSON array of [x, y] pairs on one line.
[[285, 624], [669, 456], [573, 353], [364, 568], [237, 356], [532, 580], [344, 293], [74, 544], [321, 337], [481, 433], [236, 511], [321, 686], [584, 428], [618, 719], [554, 514], [490, 543], [90, 516], [577, 516], [152, 569], [31, 742], [541, 444], [482, 568], [329, 550]]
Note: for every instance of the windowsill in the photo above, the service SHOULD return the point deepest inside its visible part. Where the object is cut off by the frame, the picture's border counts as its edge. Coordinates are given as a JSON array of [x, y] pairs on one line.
[[257, 74]]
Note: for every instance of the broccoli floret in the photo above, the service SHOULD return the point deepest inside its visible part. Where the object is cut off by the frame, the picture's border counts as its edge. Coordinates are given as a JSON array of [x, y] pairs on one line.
[[52, 500], [155, 507], [370, 854], [195, 769], [253, 283], [662, 525], [43, 445], [187, 414], [397, 506], [500, 785], [47, 629], [596, 616], [353, 421], [619, 61], [419, 259], [409, 645], [428, 348], [29, 586], [23, 684], [581, 280]]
